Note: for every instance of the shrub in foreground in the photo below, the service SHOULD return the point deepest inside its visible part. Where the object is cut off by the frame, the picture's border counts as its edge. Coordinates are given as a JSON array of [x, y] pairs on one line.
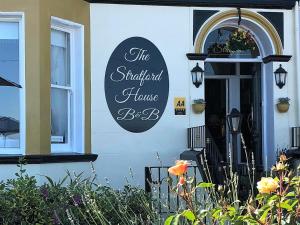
[[277, 201], [73, 200]]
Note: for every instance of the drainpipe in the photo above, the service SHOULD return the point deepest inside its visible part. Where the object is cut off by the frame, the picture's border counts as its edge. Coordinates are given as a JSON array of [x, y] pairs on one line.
[[297, 60]]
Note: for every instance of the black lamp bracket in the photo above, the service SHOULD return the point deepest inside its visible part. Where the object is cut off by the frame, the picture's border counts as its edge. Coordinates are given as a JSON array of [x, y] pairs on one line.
[[240, 16]]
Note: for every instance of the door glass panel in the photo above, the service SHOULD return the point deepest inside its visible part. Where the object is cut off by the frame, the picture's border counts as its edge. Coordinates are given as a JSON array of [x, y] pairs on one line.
[[247, 68], [215, 119], [220, 68], [247, 114]]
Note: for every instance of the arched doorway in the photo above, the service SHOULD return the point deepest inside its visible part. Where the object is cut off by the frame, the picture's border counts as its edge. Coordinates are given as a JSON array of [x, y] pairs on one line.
[[233, 80], [239, 79]]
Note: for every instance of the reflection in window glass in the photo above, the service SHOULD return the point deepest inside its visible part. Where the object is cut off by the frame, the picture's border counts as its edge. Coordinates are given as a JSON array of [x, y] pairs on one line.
[[59, 115], [60, 55], [60, 87], [9, 96]]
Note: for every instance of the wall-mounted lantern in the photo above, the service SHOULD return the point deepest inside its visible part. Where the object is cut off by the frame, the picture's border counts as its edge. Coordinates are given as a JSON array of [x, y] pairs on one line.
[[280, 76], [197, 75], [234, 120]]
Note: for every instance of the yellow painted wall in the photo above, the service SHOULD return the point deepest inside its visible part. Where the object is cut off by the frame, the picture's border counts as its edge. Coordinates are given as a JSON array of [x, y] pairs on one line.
[[37, 56]]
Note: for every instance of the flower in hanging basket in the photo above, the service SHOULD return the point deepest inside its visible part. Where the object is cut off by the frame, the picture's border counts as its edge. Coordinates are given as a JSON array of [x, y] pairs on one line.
[[241, 40]]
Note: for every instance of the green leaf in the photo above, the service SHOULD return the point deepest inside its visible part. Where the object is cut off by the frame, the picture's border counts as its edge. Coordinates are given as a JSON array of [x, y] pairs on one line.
[[189, 215], [169, 220], [294, 203], [205, 185], [203, 212], [291, 194], [50, 180], [176, 220], [231, 210], [284, 205], [63, 180], [274, 197], [264, 215], [216, 214]]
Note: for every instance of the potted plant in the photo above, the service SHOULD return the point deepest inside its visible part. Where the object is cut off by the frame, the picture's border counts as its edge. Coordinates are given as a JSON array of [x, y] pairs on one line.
[[198, 105], [283, 105], [218, 50]]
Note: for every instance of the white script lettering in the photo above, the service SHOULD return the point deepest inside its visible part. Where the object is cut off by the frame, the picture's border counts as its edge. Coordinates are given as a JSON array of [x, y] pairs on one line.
[[143, 76], [131, 114], [137, 97], [137, 54]]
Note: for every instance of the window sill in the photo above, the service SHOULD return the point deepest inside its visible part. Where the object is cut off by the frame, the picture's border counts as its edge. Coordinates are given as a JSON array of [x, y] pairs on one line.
[[52, 158]]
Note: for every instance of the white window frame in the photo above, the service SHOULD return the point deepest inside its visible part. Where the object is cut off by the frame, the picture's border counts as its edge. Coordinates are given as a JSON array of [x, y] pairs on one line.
[[76, 124], [18, 17]]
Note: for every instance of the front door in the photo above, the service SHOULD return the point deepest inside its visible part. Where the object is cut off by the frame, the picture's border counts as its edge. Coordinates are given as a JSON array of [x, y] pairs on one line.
[[234, 85]]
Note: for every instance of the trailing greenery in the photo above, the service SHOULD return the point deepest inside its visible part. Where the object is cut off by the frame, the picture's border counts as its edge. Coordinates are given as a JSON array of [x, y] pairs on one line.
[[199, 101], [284, 100], [74, 200]]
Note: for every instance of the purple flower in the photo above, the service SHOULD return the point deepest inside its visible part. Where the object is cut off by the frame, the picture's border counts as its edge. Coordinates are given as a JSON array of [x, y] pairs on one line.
[[44, 192], [55, 219], [77, 200]]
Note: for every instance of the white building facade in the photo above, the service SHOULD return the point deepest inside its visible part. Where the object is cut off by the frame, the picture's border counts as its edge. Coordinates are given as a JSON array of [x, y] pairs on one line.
[[142, 91], [229, 81]]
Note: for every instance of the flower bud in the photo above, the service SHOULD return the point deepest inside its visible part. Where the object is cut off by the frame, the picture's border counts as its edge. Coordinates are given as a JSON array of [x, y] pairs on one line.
[[282, 158], [220, 188]]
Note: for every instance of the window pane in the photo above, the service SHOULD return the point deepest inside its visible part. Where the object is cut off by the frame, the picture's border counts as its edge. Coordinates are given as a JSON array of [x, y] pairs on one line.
[[60, 58], [219, 69], [248, 68], [59, 115], [9, 95]]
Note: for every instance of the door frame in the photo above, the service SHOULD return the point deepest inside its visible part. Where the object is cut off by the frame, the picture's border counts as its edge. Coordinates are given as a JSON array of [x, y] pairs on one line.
[[227, 77]]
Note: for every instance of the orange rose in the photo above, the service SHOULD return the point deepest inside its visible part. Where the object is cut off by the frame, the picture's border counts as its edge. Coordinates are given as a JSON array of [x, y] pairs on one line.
[[179, 169], [267, 185]]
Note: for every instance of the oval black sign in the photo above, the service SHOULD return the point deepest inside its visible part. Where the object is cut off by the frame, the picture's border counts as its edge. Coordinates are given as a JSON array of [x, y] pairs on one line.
[[136, 84]]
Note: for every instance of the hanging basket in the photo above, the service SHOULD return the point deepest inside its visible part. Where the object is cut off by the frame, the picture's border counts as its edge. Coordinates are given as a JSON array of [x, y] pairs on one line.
[[198, 108], [283, 107]]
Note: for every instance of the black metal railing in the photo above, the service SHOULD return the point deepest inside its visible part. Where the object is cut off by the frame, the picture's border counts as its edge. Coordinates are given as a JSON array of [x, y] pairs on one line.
[[207, 157], [157, 183], [196, 137], [212, 149], [295, 137]]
